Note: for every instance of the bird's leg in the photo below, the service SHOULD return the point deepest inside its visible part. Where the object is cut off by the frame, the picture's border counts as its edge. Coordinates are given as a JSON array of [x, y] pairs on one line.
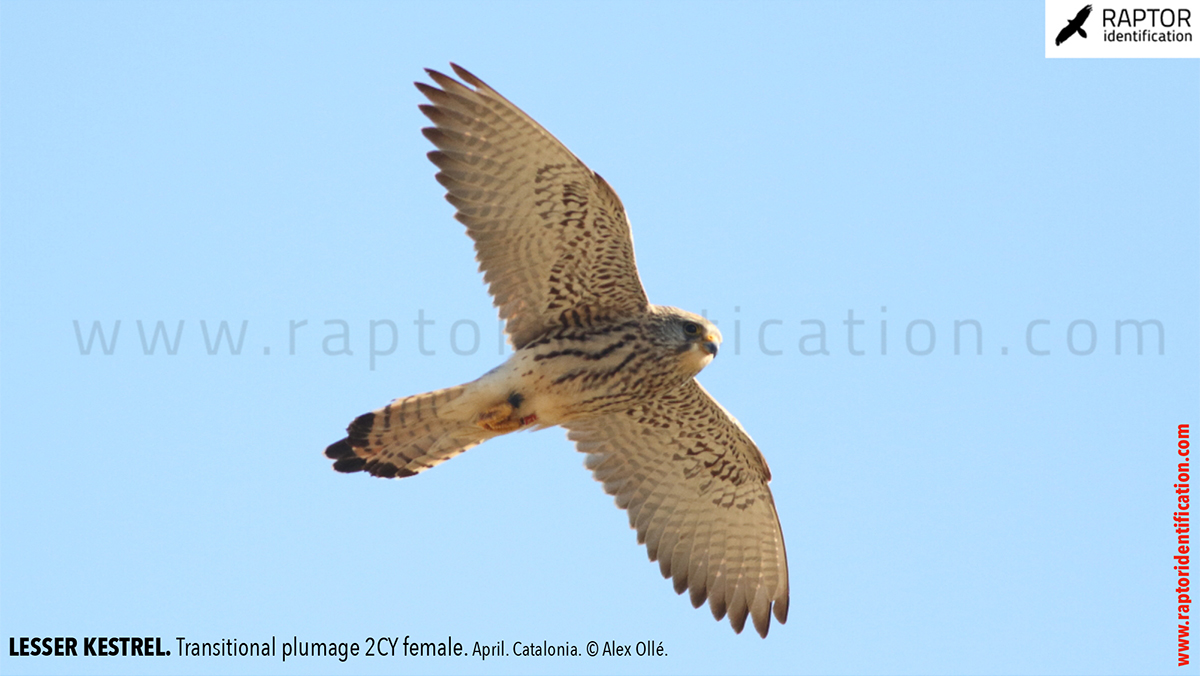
[[505, 417]]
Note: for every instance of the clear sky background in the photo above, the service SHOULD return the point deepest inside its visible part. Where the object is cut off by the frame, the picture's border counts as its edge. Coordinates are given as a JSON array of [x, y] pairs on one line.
[[261, 164]]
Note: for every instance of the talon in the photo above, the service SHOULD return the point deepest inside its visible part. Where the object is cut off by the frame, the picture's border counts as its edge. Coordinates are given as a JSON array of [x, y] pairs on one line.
[[495, 414], [502, 418], [499, 418]]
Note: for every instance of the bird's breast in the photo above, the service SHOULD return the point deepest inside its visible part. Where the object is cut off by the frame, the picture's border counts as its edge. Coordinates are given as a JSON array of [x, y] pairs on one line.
[[581, 373]]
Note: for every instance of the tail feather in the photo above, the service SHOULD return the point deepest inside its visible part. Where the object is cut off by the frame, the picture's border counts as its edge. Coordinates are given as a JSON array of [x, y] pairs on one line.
[[406, 437]]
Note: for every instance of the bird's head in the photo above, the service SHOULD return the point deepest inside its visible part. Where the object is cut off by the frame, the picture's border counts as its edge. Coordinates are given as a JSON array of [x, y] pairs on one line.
[[694, 338]]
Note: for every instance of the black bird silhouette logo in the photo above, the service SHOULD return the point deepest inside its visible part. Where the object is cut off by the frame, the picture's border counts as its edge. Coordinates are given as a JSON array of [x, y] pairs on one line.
[[1074, 26]]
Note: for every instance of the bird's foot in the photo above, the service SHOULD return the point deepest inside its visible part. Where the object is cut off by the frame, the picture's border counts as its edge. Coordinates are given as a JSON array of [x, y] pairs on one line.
[[501, 418]]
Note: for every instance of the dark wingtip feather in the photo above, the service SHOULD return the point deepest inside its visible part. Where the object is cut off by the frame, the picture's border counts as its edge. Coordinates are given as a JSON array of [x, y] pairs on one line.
[[435, 135], [467, 75], [339, 450], [348, 465], [762, 620], [446, 82], [356, 437], [432, 112], [738, 619], [680, 584], [385, 470], [359, 429], [781, 609]]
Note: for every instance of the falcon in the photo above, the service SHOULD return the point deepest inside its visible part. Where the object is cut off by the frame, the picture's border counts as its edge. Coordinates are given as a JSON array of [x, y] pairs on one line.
[[590, 354]]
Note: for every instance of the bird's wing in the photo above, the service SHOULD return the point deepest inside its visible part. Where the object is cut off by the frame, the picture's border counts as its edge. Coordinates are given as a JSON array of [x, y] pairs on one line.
[[695, 487], [1082, 15], [1064, 34], [551, 236]]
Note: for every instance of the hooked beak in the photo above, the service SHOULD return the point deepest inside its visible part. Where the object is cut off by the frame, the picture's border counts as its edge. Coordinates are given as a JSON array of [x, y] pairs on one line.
[[710, 344]]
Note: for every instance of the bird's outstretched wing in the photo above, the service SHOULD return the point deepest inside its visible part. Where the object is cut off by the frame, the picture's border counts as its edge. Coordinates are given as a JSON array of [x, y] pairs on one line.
[[695, 487], [1080, 18], [551, 236], [1064, 34]]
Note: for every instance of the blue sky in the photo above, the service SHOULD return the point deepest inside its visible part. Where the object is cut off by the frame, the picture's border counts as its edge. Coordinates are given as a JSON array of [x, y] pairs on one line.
[[783, 164]]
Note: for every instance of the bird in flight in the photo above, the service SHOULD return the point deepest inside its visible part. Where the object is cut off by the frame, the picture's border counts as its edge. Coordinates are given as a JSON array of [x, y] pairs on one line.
[[591, 354], [1074, 26]]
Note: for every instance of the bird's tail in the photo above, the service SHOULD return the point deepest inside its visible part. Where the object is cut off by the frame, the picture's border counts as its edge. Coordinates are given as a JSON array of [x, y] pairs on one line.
[[408, 436], [1082, 33]]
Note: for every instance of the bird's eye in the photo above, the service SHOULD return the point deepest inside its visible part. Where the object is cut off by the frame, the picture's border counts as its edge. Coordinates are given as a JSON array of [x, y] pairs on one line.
[[691, 328]]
